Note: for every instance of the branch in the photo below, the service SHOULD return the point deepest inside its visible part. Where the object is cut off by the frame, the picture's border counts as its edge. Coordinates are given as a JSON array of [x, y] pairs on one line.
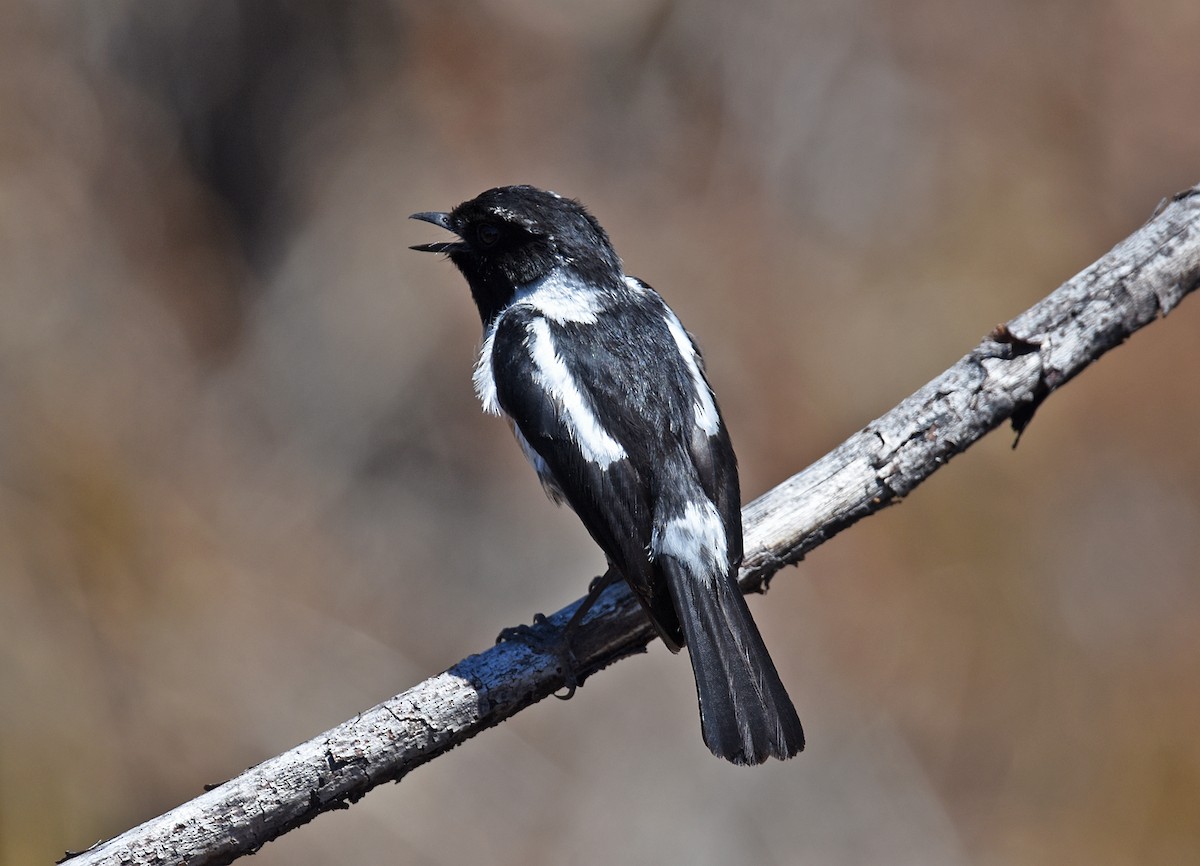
[[1007, 376]]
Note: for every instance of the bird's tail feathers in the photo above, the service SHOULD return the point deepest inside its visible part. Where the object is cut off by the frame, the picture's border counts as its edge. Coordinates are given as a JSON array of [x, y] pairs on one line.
[[745, 713]]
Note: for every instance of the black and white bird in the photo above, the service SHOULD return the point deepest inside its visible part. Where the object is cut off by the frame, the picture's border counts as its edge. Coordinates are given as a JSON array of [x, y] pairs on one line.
[[607, 396]]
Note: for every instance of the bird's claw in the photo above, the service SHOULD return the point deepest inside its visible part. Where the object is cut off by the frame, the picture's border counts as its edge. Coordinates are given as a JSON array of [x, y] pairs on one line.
[[526, 634], [556, 643]]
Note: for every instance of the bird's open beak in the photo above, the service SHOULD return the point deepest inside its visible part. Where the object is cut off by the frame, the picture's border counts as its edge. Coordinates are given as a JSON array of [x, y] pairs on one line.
[[438, 219]]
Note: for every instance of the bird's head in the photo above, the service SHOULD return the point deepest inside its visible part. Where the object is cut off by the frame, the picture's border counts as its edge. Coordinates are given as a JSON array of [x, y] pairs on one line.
[[510, 236]]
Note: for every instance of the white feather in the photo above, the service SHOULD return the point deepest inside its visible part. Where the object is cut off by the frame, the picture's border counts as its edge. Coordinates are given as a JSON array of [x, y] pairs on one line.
[[696, 539], [561, 297], [595, 443], [484, 376], [704, 408]]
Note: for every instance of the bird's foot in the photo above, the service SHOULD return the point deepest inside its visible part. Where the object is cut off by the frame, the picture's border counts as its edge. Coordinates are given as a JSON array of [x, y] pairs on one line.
[[534, 635], [543, 638]]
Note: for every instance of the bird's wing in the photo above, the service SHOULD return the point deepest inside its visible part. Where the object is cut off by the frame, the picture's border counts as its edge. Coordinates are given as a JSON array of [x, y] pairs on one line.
[[712, 455], [577, 412]]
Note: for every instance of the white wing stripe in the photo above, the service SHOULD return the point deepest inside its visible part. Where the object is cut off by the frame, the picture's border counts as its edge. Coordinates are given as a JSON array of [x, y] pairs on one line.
[[703, 407], [595, 444]]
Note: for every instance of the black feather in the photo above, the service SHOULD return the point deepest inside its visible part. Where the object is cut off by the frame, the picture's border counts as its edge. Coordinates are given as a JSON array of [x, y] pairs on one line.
[[746, 715], [614, 502], [608, 392]]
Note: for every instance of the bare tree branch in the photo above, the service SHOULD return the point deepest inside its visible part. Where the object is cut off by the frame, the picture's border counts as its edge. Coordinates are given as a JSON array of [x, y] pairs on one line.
[[1007, 376]]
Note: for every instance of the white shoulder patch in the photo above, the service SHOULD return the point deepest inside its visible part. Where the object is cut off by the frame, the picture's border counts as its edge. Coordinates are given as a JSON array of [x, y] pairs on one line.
[[561, 297], [704, 408], [595, 443], [696, 539]]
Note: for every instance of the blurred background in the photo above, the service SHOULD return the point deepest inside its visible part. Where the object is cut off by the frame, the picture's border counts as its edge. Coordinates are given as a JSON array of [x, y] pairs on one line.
[[246, 489]]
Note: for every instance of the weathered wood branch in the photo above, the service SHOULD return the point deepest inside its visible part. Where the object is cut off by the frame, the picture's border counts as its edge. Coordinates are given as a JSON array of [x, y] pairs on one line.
[[1005, 377]]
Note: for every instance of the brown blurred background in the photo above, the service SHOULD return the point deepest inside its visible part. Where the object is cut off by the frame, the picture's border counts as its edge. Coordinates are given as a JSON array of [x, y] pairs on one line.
[[246, 490]]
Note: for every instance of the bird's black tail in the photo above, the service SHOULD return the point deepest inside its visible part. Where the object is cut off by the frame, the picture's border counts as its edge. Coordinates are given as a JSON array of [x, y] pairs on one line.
[[745, 713]]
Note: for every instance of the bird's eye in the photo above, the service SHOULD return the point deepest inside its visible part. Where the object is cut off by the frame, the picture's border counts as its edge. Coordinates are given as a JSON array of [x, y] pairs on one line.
[[487, 234]]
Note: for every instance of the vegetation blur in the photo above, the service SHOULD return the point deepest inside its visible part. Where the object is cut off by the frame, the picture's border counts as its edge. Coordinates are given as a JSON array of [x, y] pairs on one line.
[[246, 489]]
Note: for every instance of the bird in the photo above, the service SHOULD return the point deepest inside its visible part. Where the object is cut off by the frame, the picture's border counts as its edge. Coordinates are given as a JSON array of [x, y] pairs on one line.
[[607, 396]]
